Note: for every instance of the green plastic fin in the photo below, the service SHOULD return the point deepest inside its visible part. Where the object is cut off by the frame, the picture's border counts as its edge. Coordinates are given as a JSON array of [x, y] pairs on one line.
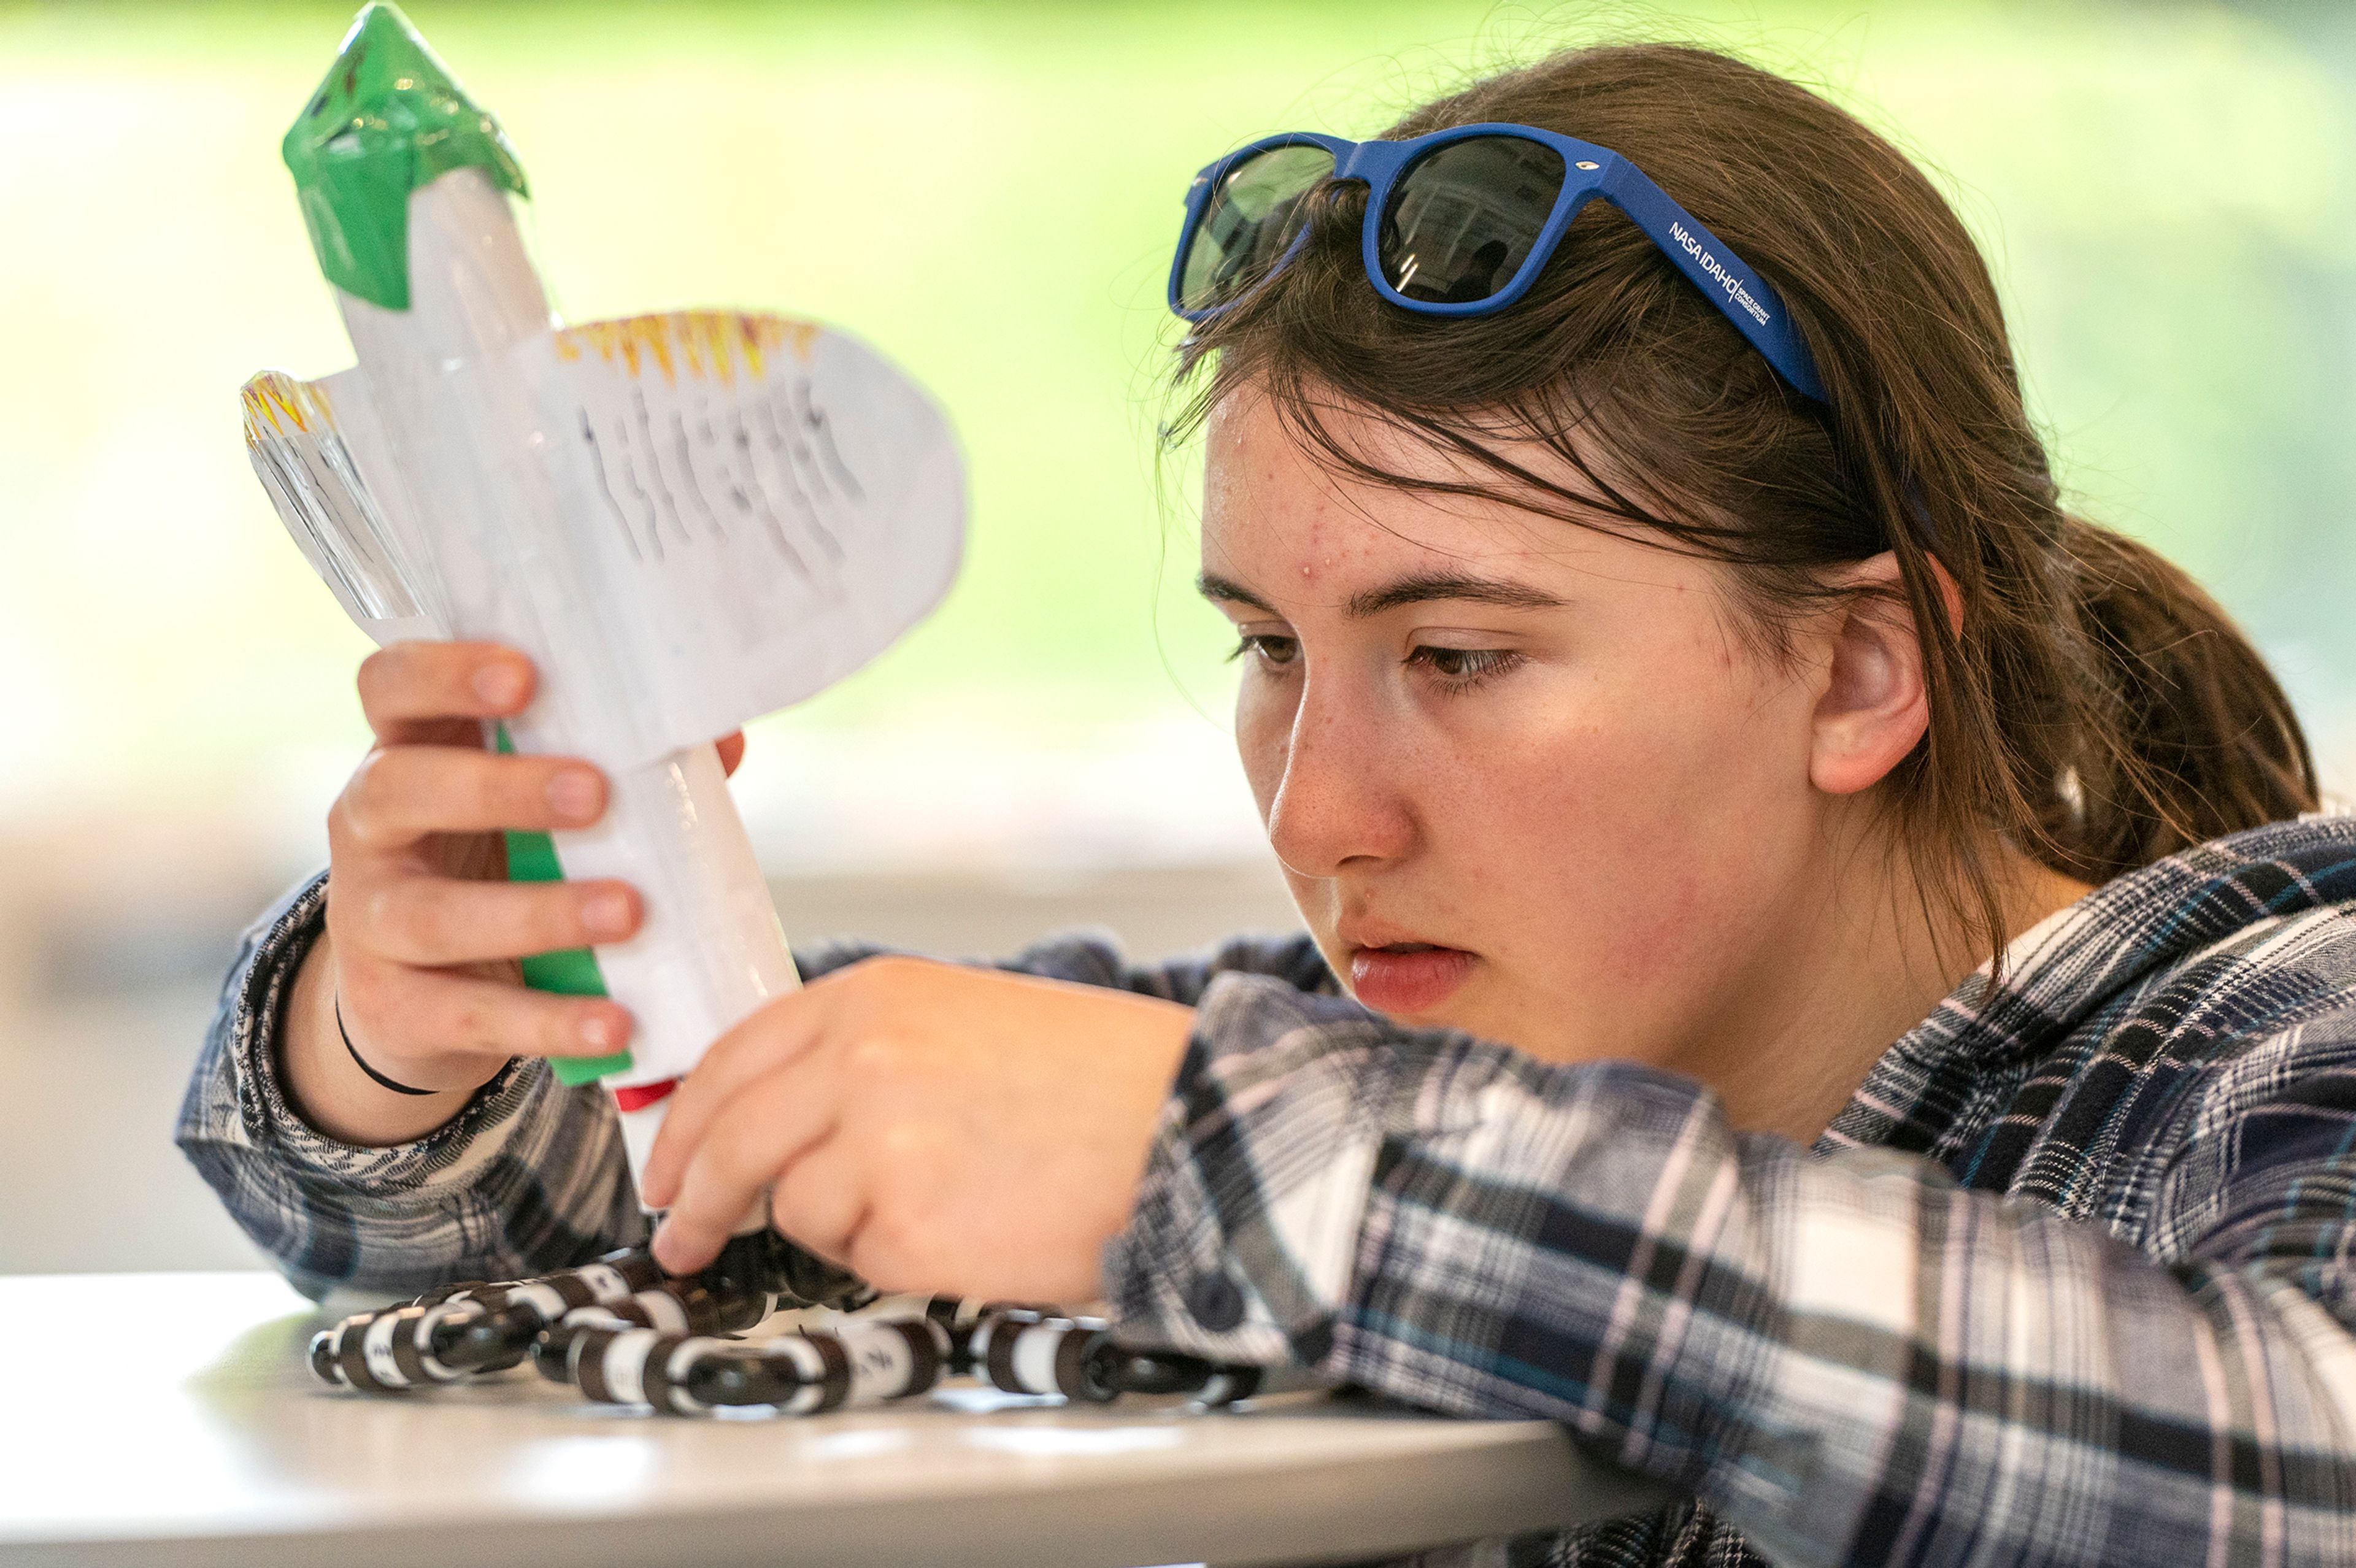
[[531, 857], [388, 119]]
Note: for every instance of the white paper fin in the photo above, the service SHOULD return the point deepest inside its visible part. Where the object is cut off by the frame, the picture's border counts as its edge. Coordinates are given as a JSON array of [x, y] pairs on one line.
[[772, 504], [297, 442]]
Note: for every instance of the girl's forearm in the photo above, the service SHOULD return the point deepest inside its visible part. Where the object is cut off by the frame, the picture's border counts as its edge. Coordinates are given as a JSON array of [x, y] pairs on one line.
[[1849, 1358], [524, 1178]]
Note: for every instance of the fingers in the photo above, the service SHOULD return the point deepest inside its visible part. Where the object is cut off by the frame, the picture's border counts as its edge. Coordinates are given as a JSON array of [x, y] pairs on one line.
[[761, 1045], [443, 921], [410, 689], [820, 1200], [403, 793], [762, 1130], [420, 1029], [415, 900]]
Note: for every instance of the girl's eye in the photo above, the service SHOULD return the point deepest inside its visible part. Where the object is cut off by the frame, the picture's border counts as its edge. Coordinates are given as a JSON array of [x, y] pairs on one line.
[[1271, 649], [1461, 670]]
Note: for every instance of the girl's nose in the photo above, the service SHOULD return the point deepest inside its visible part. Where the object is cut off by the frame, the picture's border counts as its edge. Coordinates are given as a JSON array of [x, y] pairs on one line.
[[1340, 801]]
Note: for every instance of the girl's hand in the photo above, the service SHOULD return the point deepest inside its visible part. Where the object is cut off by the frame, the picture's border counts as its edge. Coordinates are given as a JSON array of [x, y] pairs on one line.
[[926, 1125], [422, 928]]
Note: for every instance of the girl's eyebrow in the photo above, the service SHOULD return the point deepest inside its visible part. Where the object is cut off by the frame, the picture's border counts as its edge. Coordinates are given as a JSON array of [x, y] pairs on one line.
[[1429, 585], [1211, 585], [1418, 589]]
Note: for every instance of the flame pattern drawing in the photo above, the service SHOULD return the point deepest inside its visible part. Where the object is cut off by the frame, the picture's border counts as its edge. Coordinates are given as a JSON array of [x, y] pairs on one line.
[[300, 454], [702, 343]]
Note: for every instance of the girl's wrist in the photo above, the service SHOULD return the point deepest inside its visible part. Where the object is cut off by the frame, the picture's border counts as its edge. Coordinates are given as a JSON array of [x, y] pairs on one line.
[[344, 1033], [329, 1086]]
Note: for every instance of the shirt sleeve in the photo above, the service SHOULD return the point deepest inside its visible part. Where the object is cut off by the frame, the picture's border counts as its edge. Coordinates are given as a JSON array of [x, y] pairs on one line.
[[1094, 956], [1849, 1358], [530, 1175], [528, 1178]]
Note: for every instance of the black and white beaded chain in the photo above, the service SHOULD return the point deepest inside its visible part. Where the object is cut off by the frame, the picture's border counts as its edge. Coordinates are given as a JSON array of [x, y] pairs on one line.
[[624, 1332]]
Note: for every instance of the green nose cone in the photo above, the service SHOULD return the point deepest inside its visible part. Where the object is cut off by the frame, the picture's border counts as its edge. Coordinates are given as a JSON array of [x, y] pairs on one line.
[[388, 119]]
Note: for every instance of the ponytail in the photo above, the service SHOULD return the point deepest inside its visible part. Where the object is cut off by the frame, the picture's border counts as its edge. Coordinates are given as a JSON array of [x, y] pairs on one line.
[[2205, 742]]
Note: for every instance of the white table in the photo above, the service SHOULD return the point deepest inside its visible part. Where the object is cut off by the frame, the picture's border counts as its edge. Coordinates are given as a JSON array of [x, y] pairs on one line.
[[166, 1418]]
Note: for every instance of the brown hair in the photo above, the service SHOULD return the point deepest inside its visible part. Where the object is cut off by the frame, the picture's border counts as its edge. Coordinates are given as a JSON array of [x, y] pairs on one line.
[[2097, 709]]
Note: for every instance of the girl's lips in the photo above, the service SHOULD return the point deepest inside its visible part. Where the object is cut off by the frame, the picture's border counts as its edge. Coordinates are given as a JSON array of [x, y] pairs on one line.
[[1401, 982]]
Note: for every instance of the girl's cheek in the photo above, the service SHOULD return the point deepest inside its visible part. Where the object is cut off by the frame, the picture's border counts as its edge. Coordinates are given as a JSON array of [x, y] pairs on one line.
[[1602, 809], [1263, 733]]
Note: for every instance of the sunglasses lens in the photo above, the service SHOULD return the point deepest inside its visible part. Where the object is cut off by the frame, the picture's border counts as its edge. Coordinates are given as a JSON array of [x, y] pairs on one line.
[[1249, 223], [1463, 216]]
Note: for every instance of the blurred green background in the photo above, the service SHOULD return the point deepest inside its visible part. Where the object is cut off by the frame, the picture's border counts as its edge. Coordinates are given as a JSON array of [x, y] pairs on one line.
[[988, 192]]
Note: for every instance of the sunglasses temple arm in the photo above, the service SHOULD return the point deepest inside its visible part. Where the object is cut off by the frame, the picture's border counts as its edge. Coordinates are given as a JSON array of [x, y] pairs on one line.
[[1755, 308]]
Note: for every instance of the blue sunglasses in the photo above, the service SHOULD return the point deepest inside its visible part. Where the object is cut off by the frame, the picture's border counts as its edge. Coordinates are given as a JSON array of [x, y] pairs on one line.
[[1459, 222]]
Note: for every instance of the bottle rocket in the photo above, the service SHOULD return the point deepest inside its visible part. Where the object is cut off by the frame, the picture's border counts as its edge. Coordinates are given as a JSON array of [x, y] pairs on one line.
[[685, 520]]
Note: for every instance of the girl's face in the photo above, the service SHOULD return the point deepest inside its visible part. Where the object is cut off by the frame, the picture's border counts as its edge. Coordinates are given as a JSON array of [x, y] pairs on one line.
[[1524, 777]]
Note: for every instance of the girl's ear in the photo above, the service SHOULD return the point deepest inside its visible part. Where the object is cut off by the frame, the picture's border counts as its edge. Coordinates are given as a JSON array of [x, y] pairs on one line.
[[1874, 707]]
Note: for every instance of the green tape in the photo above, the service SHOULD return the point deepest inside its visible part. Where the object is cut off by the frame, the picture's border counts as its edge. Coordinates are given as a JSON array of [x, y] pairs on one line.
[[388, 119], [531, 857]]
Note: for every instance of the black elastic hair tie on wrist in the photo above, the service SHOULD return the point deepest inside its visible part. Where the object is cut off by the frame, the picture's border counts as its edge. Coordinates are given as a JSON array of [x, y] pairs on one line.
[[361, 1062]]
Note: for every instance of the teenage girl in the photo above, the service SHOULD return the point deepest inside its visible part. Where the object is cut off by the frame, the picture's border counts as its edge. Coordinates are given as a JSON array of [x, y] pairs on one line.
[[1820, 975]]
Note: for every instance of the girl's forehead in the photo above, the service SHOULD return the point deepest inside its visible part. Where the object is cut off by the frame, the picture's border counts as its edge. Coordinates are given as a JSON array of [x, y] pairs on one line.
[[1280, 515]]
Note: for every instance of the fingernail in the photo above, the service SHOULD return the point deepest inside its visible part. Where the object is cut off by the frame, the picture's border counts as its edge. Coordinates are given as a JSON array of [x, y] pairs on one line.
[[573, 794], [597, 1032], [606, 915], [499, 684]]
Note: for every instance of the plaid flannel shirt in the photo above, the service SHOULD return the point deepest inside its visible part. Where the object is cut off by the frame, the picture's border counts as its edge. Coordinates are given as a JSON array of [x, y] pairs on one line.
[[2066, 1282]]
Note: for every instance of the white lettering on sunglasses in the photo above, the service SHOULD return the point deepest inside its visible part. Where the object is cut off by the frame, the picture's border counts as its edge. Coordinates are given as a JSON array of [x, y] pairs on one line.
[[1711, 265]]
